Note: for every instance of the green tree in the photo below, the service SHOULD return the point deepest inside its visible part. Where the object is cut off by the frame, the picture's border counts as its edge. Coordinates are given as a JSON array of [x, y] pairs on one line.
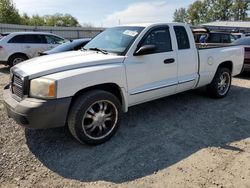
[[180, 15], [202, 11], [8, 12], [61, 20], [209, 9], [37, 20], [25, 19], [222, 9], [50, 20], [239, 9], [197, 12], [69, 20]]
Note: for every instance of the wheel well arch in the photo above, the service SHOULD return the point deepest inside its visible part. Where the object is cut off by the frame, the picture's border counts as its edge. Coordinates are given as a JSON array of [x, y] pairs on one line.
[[17, 53], [227, 64], [109, 87]]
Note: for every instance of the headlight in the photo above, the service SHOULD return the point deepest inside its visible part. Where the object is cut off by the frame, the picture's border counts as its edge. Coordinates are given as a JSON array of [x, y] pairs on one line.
[[43, 88]]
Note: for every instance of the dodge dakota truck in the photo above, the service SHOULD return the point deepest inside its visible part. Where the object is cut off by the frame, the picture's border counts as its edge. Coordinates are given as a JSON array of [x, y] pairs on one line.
[[88, 90]]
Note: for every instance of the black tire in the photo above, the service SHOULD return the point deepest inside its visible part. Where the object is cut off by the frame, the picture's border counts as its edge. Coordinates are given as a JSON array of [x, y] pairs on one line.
[[16, 58], [81, 109], [215, 88]]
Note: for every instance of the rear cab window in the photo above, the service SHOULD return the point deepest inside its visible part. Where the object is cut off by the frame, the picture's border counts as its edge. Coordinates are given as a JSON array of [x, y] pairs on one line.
[[182, 37]]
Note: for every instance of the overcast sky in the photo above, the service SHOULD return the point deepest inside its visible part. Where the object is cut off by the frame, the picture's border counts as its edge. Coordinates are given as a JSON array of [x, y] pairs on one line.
[[106, 12]]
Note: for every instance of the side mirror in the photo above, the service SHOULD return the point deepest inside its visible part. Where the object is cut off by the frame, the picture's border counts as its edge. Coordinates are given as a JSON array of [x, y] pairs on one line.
[[146, 49]]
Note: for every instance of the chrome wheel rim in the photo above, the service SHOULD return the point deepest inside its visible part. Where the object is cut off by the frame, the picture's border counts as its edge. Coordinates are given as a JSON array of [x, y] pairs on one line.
[[100, 119], [224, 83], [17, 61]]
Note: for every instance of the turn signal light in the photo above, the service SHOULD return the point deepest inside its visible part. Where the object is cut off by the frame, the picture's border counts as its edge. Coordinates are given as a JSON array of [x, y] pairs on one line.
[[52, 90]]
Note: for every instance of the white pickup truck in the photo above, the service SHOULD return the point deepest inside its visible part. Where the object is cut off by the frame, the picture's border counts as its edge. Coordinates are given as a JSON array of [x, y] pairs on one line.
[[123, 66]]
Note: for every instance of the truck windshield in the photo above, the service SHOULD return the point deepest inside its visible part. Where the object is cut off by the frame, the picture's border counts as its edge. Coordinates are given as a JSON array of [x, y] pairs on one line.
[[115, 40]]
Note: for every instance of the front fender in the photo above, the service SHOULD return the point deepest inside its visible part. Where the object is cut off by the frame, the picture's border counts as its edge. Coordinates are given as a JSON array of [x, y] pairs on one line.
[[71, 81]]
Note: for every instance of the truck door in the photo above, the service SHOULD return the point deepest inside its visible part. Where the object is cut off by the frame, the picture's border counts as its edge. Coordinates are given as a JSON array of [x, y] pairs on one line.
[[154, 74], [187, 60]]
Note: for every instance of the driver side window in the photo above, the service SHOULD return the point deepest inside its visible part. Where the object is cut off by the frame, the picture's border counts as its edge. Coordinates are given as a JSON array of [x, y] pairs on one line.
[[160, 37]]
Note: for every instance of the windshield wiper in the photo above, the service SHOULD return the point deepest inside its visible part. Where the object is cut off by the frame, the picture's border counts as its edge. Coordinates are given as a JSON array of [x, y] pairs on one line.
[[99, 50]]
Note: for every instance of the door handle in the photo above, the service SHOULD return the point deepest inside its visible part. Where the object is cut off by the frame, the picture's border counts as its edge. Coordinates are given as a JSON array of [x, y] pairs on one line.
[[28, 46], [168, 61]]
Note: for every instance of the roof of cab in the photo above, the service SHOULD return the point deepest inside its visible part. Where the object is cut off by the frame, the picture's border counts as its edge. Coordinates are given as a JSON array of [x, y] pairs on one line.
[[152, 24]]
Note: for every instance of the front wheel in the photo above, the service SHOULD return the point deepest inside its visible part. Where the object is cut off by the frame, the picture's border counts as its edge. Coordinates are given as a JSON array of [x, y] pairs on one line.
[[221, 83], [16, 59], [94, 117]]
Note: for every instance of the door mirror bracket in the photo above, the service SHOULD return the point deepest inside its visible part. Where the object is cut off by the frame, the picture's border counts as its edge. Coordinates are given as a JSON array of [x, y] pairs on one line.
[[144, 50]]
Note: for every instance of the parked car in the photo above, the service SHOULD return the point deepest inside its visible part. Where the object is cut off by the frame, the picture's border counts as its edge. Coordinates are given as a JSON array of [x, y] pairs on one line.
[[19, 46], [220, 37], [68, 46], [239, 35], [203, 35], [121, 67], [246, 43]]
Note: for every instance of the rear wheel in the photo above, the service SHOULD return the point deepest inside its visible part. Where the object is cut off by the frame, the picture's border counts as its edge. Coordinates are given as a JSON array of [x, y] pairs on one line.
[[94, 117], [221, 83], [16, 59]]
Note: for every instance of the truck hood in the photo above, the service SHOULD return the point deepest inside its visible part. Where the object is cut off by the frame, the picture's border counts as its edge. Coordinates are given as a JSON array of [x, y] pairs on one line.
[[50, 64]]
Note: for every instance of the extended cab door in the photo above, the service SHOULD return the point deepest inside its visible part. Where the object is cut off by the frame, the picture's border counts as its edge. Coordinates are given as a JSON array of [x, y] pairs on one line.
[[187, 56], [153, 74]]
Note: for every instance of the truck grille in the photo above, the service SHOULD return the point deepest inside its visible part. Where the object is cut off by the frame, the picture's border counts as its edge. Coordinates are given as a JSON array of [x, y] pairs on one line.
[[17, 86]]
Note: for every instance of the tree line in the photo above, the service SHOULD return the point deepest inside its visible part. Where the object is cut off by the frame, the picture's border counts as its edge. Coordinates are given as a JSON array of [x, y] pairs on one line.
[[203, 11], [9, 14]]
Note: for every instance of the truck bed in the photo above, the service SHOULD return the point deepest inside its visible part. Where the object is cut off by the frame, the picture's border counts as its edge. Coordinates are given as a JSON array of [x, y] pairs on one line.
[[211, 56]]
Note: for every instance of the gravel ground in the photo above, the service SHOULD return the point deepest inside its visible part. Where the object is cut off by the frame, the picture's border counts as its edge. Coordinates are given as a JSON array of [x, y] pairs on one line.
[[186, 140]]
